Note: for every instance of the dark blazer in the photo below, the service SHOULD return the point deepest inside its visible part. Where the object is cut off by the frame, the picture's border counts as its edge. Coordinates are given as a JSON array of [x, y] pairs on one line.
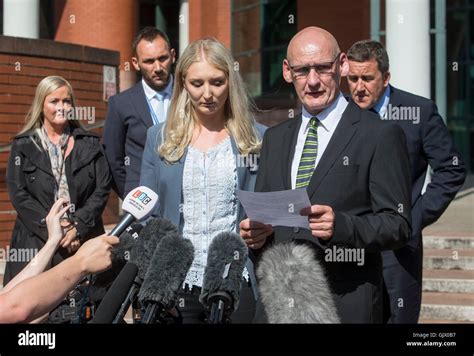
[[128, 119], [364, 176], [429, 142], [31, 185]]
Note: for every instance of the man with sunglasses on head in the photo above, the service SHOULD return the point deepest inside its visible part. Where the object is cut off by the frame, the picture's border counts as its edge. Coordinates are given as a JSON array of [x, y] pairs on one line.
[[355, 169]]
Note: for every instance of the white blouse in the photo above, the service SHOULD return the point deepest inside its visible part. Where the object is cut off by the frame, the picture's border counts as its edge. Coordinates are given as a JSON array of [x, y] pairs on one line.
[[210, 205]]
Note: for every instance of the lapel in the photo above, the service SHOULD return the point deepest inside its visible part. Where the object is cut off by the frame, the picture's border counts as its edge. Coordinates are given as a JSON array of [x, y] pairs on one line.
[[177, 188], [83, 151], [241, 170], [394, 98], [139, 101], [39, 158], [288, 144], [339, 140]]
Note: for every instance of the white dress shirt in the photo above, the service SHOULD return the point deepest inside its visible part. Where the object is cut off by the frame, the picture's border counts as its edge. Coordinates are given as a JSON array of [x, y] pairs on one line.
[[160, 108], [328, 120]]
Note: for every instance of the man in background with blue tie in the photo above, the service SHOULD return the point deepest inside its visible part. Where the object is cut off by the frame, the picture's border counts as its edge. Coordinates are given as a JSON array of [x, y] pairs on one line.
[[429, 143], [133, 111], [355, 169]]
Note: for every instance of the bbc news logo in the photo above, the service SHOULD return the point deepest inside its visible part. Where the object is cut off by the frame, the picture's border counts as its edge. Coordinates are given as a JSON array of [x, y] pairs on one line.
[[142, 196]]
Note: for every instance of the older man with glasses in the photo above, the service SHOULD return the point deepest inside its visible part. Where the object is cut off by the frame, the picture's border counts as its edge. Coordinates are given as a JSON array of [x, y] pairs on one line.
[[355, 169]]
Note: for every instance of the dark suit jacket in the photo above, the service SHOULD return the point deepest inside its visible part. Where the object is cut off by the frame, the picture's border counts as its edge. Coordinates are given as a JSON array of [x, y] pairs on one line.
[[364, 176], [428, 142], [128, 119]]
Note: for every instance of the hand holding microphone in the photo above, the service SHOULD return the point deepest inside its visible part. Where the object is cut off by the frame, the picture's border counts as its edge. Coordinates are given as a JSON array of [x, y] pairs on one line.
[[137, 205]]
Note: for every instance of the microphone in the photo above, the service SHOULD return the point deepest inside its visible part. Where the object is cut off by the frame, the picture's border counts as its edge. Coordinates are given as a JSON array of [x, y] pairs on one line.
[[220, 292], [293, 286], [152, 233], [138, 203], [122, 252], [120, 256], [170, 264], [117, 292], [140, 257]]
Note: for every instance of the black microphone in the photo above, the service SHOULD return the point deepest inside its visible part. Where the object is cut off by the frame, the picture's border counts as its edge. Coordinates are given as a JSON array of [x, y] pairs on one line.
[[120, 256], [293, 286], [122, 252], [117, 292], [138, 203], [141, 255], [220, 292], [170, 264]]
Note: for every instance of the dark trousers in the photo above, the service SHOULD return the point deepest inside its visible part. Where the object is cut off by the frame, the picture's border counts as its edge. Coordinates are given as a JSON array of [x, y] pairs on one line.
[[193, 311], [402, 272]]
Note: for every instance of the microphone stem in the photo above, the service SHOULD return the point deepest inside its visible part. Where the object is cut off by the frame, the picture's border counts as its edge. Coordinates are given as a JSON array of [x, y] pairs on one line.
[[132, 294], [217, 312], [150, 313], [122, 225]]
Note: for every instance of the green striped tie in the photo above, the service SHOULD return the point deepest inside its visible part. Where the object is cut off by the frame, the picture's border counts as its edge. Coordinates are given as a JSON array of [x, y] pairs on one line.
[[308, 157]]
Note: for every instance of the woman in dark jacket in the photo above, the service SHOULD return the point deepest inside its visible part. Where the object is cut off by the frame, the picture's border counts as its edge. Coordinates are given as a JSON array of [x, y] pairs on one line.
[[53, 157]]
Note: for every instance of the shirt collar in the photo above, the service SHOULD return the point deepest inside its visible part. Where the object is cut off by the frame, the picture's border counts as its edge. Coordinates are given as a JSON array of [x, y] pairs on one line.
[[150, 93], [329, 117], [381, 105]]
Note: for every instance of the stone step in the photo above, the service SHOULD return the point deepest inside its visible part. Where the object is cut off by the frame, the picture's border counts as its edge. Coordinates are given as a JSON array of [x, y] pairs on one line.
[[441, 321], [448, 259], [450, 242], [447, 306], [455, 281]]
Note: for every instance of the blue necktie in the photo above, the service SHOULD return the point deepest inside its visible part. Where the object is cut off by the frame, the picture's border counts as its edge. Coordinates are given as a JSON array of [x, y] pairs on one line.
[[160, 107]]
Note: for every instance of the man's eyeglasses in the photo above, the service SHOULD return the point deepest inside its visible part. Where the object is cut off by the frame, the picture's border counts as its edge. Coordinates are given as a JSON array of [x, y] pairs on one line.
[[322, 69]]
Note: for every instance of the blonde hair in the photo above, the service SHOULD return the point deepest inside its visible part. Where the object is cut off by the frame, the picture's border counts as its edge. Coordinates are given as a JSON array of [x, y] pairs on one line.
[[181, 120], [34, 119]]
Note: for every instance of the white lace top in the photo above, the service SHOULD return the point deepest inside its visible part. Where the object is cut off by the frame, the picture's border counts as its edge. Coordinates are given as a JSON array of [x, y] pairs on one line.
[[210, 205]]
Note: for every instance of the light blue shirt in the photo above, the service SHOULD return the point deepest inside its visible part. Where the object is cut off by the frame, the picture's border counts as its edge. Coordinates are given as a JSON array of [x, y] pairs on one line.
[[159, 101], [382, 104]]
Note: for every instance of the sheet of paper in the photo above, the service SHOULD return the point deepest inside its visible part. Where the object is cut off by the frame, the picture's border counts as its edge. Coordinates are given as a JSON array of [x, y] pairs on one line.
[[276, 208]]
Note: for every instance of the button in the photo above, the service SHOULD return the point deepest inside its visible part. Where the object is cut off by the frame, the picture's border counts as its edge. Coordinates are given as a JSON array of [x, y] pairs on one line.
[[296, 230], [32, 178]]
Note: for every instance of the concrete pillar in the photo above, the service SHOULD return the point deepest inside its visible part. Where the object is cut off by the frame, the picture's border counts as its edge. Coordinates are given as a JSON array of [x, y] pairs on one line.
[[183, 25], [408, 44], [21, 18]]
